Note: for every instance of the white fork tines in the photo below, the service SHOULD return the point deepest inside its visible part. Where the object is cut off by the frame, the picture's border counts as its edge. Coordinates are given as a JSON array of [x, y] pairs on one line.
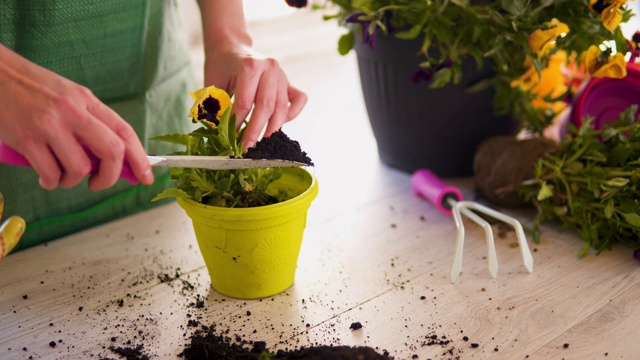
[[460, 208]]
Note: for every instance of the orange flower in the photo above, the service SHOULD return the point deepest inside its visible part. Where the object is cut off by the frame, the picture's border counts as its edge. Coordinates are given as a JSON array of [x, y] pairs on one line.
[[549, 85], [602, 64], [543, 40], [575, 73]]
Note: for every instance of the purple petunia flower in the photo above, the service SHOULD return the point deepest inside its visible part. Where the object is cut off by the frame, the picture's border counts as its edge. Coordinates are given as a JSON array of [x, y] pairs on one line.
[[636, 254], [367, 39]]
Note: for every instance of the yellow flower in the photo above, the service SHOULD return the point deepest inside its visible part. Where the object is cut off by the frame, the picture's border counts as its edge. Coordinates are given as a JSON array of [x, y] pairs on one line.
[[543, 40], [609, 11], [209, 105], [600, 64], [550, 84]]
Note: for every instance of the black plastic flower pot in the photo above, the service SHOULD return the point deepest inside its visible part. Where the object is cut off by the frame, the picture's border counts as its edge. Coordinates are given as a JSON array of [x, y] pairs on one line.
[[419, 127]]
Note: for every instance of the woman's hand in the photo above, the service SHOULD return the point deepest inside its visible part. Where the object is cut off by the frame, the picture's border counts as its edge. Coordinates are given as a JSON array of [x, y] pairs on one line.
[[51, 121], [258, 84]]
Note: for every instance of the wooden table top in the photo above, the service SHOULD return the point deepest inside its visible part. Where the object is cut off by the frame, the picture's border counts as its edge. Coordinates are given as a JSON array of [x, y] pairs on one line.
[[372, 253], [382, 260]]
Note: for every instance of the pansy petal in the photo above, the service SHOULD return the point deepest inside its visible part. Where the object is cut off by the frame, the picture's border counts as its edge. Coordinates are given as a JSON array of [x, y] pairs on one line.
[[616, 68], [611, 17], [527, 80], [542, 40], [590, 58]]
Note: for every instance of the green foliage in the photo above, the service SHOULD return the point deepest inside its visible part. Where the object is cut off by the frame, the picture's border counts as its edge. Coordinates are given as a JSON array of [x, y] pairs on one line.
[[225, 188], [495, 32], [592, 184]]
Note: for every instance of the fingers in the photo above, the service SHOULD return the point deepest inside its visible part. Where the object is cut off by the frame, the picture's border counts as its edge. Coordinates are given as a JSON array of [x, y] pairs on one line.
[[44, 163], [54, 122], [72, 158], [267, 91], [298, 100], [270, 110], [123, 145], [84, 139]]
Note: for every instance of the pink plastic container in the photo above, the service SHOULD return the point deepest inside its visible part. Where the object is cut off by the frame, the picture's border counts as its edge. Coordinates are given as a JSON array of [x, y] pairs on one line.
[[606, 98]]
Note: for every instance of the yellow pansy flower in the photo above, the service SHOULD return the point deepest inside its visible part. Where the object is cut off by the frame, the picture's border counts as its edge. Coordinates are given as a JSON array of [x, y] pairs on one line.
[[600, 64], [209, 105], [11, 231], [543, 40], [609, 11]]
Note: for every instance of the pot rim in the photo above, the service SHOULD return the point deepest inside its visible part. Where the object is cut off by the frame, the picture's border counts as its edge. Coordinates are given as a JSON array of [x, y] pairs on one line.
[[311, 192]]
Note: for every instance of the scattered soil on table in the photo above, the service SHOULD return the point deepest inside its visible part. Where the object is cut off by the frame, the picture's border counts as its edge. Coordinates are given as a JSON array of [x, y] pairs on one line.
[[131, 329], [130, 353], [207, 344], [280, 147], [501, 163]]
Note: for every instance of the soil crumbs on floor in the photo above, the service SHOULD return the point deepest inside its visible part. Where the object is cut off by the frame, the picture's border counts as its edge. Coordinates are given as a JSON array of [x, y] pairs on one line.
[[206, 344]]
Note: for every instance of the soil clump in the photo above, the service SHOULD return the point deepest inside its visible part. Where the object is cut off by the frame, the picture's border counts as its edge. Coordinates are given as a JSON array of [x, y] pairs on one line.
[[278, 146], [207, 344], [502, 163]]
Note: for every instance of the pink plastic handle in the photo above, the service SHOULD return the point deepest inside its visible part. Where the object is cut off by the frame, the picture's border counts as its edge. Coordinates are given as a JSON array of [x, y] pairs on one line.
[[12, 157], [9, 156], [426, 184]]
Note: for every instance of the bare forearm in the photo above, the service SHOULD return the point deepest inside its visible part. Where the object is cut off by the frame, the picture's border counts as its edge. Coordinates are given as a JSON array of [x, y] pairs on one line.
[[224, 27]]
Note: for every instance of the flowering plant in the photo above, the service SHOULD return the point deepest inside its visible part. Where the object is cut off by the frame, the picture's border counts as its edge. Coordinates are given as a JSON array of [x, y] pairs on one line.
[[218, 136], [540, 51]]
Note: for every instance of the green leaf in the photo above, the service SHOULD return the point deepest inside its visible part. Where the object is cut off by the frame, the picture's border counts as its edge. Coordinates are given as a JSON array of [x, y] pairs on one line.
[[223, 130], [414, 31], [180, 139], [545, 192], [461, 3], [345, 43], [515, 7], [171, 193], [583, 249], [617, 182], [632, 218], [609, 209], [560, 210], [441, 78], [201, 182]]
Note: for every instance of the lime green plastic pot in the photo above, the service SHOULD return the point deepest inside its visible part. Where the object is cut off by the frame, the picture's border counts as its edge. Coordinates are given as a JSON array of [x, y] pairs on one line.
[[253, 252]]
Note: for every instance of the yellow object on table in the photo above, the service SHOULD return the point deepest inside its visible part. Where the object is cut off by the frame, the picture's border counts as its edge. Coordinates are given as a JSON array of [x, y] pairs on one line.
[[10, 231]]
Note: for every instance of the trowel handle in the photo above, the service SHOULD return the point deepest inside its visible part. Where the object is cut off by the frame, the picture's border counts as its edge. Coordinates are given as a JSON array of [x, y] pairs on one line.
[[427, 185], [9, 156], [12, 157]]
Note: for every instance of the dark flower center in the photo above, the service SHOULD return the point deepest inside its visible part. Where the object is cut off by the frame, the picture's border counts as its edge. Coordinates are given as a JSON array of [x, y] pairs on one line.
[[209, 109], [599, 6], [211, 105]]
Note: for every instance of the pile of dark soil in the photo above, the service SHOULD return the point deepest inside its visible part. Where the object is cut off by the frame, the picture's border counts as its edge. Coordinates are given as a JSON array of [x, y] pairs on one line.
[[207, 344], [502, 163], [278, 146]]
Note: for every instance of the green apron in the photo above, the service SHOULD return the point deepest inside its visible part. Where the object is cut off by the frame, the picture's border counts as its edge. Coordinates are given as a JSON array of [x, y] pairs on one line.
[[132, 55]]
